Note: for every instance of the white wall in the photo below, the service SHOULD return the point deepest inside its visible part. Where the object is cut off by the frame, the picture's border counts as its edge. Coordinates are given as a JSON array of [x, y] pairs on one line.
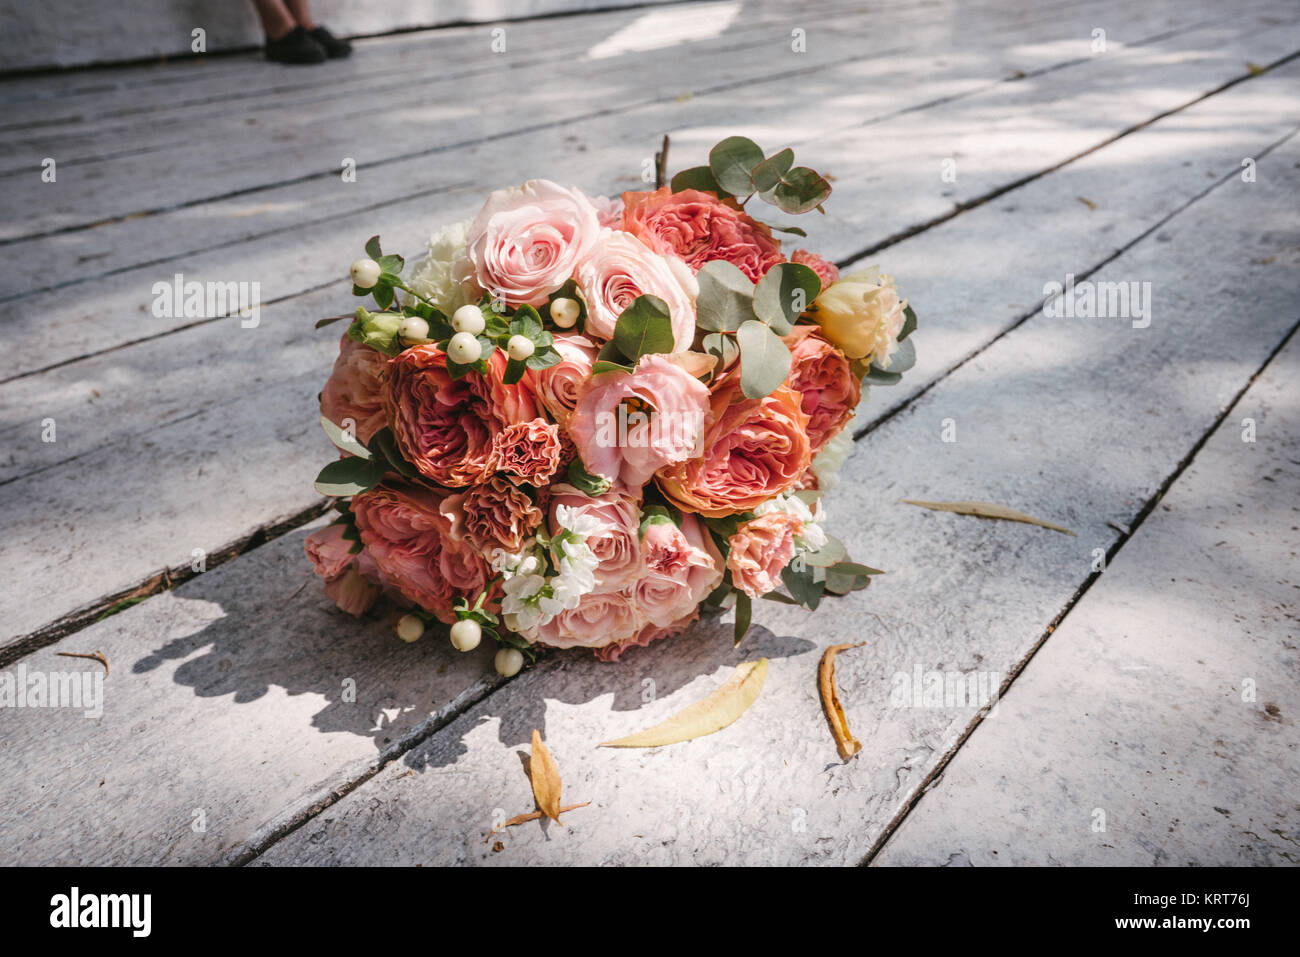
[[42, 33]]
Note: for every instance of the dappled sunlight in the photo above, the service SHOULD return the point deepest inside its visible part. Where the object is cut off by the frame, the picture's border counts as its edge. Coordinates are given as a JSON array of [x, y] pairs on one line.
[[659, 29]]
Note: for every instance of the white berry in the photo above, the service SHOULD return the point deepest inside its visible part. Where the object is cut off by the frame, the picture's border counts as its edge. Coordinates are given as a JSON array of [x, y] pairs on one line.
[[414, 328], [564, 312], [465, 634], [508, 662], [520, 347], [468, 319], [410, 627], [464, 348], [365, 273]]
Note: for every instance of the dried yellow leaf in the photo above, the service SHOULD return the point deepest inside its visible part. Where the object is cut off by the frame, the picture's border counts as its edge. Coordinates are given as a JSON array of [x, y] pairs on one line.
[[545, 776], [847, 744], [706, 716], [987, 510]]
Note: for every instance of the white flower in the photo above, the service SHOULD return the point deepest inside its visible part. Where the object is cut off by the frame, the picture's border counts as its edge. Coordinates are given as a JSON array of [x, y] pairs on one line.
[[579, 523], [577, 575], [509, 564], [826, 466], [812, 536], [446, 276]]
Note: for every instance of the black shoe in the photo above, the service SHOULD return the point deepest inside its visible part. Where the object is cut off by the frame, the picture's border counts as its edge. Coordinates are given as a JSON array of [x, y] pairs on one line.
[[296, 46], [335, 48]]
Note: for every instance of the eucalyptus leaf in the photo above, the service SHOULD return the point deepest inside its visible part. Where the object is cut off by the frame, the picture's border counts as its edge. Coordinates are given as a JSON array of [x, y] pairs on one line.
[[767, 174], [783, 294], [803, 585], [698, 177], [800, 190], [726, 298], [764, 360], [744, 615], [909, 323], [346, 441], [721, 345], [372, 248], [644, 327], [904, 357], [829, 554], [349, 476], [732, 162]]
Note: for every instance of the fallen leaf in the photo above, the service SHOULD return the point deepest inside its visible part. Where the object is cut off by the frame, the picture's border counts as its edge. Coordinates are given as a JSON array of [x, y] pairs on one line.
[[1254, 68], [706, 716], [987, 510], [546, 779], [1086, 201], [94, 656], [844, 740], [531, 816]]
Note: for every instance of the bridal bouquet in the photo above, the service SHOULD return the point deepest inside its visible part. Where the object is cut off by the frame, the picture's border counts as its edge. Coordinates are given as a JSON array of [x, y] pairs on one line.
[[579, 420]]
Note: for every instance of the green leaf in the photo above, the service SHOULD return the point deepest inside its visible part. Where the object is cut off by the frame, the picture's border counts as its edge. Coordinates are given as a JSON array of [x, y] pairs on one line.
[[383, 294], [909, 323], [347, 441], [391, 264], [732, 163], [584, 481], [644, 327], [322, 323], [784, 293], [776, 596], [878, 376], [792, 230], [372, 248], [799, 191], [904, 357], [698, 177], [768, 173], [726, 297], [384, 448], [514, 371], [803, 585], [527, 323], [744, 615], [721, 345], [349, 476], [543, 358], [853, 568], [764, 360], [604, 365], [829, 554]]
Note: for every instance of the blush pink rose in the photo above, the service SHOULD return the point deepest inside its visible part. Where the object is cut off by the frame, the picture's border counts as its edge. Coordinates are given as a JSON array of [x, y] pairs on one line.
[[410, 539], [753, 450], [495, 514], [648, 634], [760, 550], [617, 270], [616, 546], [828, 272], [626, 427], [559, 386], [600, 618], [680, 567], [609, 211], [698, 227], [526, 241], [353, 393], [528, 451], [445, 427], [331, 555], [824, 377]]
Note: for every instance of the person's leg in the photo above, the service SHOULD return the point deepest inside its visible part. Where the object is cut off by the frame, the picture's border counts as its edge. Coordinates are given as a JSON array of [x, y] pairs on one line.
[[286, 40], [333, 46], [276, 18]]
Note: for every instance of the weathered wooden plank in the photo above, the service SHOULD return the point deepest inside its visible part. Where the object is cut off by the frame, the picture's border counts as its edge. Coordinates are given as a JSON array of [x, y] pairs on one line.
[[301, 146], [1157, 726], [901, 190], [144, 413], [1077, 420], [227, 702]]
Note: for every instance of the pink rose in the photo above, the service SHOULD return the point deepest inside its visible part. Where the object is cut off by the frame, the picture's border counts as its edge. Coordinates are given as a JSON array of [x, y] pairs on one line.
[[446, 427], [680, 568], [628, 426], [827, 272], [699, 227], [601, 618], [645, 636], [404, 530], [528, 451], [760, 549], [824, 377], [615, 545], [331, 555], [609, 212], [353, 392], [559, 386], [495, 514], [526, 241], [753, 450], [617, 270]]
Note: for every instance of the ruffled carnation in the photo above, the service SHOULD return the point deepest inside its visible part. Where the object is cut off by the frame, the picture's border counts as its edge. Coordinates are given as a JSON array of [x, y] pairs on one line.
[[526, 241], [495, 514], [753, 450], [528, 451], [353, 397], [699, 227], [760, 550], [824, 377], [445, 277]]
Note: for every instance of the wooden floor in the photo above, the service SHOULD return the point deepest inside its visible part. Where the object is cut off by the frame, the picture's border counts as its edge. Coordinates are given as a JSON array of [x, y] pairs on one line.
[[1150, 664]]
